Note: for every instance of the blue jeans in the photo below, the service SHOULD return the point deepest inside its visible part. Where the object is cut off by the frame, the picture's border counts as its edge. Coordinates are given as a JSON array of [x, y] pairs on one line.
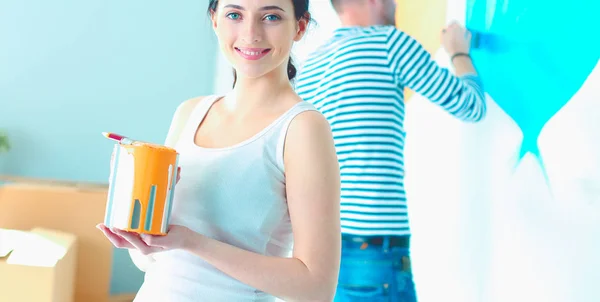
[[375, 274]]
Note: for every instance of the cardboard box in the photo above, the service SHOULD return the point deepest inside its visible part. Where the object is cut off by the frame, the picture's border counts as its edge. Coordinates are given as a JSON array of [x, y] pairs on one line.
[[37, 266], [71, 207], [122, 298]]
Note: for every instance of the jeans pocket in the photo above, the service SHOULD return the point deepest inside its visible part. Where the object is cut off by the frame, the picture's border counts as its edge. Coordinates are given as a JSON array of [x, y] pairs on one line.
[[405, 287], [365, 280], [371, 293]]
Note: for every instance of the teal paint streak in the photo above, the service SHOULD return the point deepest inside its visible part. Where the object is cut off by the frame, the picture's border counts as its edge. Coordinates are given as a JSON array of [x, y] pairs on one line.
[[150, 210], [136, 214], [111, 192], [172, 194]]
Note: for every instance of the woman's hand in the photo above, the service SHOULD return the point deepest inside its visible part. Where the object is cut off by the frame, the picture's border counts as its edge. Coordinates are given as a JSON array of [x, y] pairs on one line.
[[148, 244], [178, 237]]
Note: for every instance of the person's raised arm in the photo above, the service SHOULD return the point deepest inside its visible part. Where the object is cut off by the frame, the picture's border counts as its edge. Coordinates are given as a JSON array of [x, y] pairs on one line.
[[461, 94]]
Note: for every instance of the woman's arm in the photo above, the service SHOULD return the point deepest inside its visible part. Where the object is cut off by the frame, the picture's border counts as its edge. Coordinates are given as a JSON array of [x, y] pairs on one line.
[[313, 196], [178, 122]]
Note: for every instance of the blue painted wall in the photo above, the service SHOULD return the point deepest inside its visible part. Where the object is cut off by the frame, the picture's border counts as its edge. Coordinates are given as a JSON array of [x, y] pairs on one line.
[[529, 66], [72, 69]]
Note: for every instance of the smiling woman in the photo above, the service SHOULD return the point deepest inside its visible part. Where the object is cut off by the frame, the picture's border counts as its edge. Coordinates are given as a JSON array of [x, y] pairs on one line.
[[271, 14], [256, 212]]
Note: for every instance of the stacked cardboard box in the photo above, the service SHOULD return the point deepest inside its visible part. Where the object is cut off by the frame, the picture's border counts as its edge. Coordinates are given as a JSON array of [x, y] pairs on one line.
[[38, 265], [122, 298], [69, 207]]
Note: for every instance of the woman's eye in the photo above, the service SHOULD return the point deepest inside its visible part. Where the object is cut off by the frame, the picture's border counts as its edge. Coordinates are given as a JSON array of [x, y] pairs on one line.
[[272, 18], [233, 16]]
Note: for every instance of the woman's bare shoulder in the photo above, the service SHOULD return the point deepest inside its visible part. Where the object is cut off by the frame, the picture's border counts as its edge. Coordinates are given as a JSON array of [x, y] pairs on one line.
[[189, 104], [180, 118]]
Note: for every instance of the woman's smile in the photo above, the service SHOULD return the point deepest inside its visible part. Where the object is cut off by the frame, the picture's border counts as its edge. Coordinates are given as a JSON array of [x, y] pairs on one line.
[[252, 53]]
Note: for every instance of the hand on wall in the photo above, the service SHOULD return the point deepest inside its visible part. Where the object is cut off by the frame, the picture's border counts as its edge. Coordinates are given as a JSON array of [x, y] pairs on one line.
[[456, 39]]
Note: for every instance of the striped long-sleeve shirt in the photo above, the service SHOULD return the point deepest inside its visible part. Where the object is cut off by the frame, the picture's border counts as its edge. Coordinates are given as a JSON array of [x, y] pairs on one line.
[[357, 81]]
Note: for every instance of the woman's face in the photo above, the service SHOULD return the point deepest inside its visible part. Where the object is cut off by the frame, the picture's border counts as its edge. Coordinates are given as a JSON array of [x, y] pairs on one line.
[[257, 36]]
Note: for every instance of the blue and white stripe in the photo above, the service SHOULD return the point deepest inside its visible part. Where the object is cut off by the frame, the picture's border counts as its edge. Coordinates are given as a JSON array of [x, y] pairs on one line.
[[357, 80]]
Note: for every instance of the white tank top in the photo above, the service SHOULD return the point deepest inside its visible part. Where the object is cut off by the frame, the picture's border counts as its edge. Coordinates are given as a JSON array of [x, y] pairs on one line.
[[235, 195]]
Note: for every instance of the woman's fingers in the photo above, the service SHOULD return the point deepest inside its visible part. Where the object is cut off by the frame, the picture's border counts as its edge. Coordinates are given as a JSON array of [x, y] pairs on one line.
[[115, 239], [127, 240], [135, 240]]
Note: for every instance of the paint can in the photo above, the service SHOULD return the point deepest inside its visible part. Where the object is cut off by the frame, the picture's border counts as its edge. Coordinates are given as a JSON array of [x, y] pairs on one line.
[[141, 187]]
